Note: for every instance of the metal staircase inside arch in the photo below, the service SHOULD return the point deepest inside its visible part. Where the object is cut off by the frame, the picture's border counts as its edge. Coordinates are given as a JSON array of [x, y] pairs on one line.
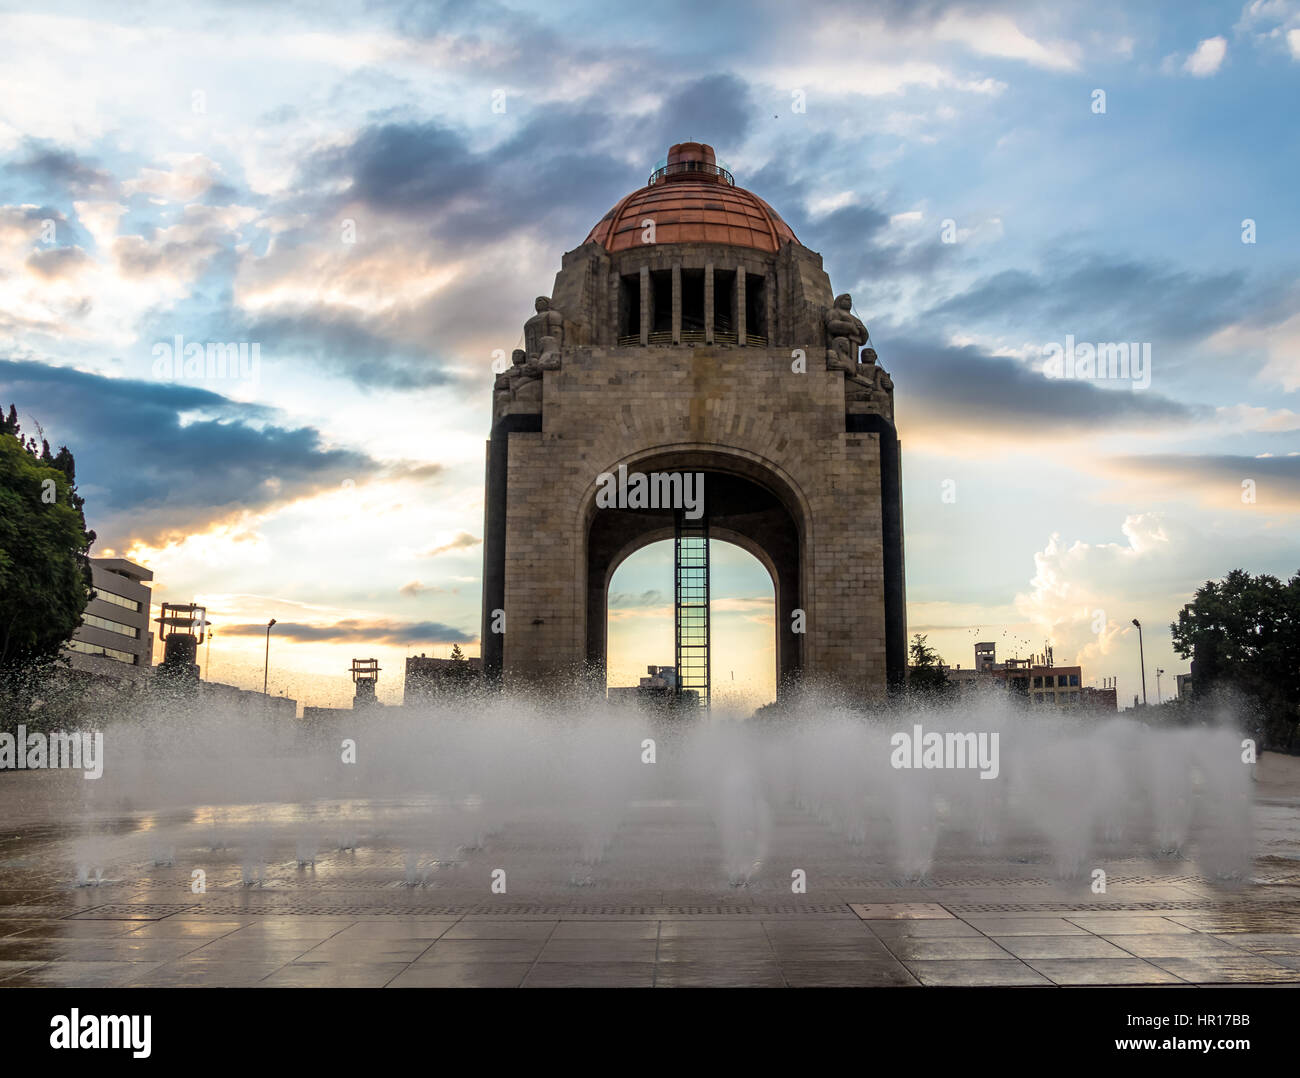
[[691, 607]]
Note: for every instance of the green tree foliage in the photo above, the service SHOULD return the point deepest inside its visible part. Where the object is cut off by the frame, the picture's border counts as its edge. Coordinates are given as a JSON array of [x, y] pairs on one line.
[[1243, 634], [926, 674], [462, 670], [44, 570]]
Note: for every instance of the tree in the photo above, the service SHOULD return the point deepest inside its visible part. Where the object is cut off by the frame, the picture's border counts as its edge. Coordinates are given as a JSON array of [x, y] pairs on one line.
[[1243, 635], [44, 569], [926, 673], [461, 669]]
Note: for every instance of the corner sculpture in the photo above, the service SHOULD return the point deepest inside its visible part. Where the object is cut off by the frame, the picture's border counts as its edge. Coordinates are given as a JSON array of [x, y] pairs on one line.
[[845, 334], [867, 381], [543, 338], [544, 332], [521, 382]]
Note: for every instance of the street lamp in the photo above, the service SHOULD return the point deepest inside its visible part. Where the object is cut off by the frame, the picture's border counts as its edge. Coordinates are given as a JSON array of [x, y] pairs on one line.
[[1158, 673], [267, 664], [1142, 656]]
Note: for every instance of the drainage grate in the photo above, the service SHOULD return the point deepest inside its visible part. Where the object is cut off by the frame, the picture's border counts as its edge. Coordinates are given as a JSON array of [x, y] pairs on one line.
[[900, 911], [1274, 877], [939, 883], [156, 911], [1149, 881], [135, 911], [263, 905], [240, 910]]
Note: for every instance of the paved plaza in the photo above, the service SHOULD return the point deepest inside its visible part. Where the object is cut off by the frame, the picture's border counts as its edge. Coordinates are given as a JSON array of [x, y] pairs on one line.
[[355, 919]]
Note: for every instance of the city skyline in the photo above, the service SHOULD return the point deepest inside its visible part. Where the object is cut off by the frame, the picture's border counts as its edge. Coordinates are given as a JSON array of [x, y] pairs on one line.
[[380, 236]]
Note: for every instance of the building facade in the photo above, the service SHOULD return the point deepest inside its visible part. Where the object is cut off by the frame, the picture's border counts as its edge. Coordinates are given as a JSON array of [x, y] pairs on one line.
[[215, 695], [691, 333], [428, 678], [1036, 680], [115, 638], [660, 688]]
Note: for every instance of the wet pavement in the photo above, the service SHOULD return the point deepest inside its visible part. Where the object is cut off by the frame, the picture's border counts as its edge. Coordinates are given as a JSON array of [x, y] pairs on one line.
[[375, 916], [613, 950]]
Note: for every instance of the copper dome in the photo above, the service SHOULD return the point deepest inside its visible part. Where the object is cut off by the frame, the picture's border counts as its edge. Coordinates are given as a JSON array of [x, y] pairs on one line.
[[693, 199]]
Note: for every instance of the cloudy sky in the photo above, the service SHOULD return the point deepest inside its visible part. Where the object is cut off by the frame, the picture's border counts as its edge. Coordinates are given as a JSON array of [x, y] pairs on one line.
[[374, 193]]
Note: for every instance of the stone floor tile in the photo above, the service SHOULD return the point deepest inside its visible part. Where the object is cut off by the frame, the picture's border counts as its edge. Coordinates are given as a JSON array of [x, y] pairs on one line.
[[989, 971], [1083, 946], [1027, 926], [334, 975], [590, 975], [1160, 945], [482, 950], [500, 930], [1129, 926], [1264, 943], [847, 975], [1226, 969], [888, 911], [947, 948], [606, 930], [1100, 971], [78, 975], [599, 951], [889, 930], [752, 974], [462, 975]]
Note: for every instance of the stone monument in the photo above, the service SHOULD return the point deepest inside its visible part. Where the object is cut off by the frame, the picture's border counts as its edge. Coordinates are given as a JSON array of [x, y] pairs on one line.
[[686, 334]]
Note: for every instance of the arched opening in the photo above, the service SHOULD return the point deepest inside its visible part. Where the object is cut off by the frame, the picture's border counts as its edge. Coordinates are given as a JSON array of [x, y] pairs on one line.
[[748, 504], [639, 623]]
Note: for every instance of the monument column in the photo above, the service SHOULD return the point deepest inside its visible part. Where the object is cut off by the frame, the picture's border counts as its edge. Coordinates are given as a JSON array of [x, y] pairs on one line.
[[769, 294], [646, 313], [708, 303], [740, 306], [677, 303]]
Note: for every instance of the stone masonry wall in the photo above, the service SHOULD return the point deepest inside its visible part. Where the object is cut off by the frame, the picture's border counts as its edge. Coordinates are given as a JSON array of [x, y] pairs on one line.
[[608, 405]]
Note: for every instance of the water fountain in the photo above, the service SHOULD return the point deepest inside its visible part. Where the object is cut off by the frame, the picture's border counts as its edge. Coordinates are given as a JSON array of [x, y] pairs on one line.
[[563, 801]]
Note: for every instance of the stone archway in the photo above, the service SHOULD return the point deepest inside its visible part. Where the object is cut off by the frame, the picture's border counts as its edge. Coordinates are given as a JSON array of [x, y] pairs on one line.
[[719, 348], [826, 477], [748, 503]]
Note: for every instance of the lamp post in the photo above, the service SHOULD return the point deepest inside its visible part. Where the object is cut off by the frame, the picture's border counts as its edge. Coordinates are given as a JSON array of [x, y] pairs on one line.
[[1158, 673], [267, 664], [1143, 658]]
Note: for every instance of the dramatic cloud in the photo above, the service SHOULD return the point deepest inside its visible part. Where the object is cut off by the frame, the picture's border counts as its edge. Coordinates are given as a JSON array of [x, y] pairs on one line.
[[340, 340], [1081, 593], [1097, 298], [549, 175], [183, 250], [355, 630], [951, 390], [1242, 484], [157, 458], [60, 169], [374, 195]]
